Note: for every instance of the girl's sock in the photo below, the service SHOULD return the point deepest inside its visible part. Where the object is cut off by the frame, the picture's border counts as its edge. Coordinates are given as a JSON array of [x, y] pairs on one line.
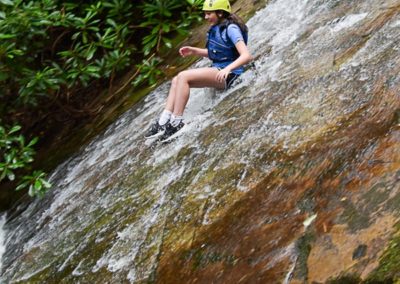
[[165, 117], [175, 120]]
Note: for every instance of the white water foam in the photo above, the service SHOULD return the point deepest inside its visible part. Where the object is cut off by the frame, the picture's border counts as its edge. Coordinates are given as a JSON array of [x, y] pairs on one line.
[[347, 22], [395, 24], [2, 239]]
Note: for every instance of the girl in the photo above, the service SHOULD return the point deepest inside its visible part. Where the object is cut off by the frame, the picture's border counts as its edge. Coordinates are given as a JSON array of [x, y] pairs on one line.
[[226, 47]]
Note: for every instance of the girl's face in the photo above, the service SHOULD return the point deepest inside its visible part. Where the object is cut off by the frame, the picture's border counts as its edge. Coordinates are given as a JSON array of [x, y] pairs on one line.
[[211, 17]]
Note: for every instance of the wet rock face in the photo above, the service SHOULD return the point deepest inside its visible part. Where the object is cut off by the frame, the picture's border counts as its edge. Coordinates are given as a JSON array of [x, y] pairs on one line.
[[292, 176]]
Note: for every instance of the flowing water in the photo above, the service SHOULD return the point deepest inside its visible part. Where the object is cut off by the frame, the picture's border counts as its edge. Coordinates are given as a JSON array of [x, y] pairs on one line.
[[299, 161], [2, 234]]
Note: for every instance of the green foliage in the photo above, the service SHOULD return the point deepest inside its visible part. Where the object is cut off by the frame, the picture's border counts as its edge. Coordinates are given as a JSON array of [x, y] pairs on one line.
[[17, 154], [36, 183], [149, 71], [49, 47]]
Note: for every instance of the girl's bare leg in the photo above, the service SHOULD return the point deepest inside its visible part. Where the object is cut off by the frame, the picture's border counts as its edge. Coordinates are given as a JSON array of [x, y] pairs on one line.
[[171, 95], [195, 78]]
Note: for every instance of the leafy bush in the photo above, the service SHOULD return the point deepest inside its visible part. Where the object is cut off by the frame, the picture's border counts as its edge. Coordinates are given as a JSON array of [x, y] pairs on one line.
[[49, 47]]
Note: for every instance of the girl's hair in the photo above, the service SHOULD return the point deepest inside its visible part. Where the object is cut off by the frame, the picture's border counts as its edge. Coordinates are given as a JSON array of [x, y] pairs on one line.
[[231, 18]]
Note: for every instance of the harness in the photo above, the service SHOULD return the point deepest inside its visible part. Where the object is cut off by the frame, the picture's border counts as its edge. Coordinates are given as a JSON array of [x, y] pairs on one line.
[[220, 50]]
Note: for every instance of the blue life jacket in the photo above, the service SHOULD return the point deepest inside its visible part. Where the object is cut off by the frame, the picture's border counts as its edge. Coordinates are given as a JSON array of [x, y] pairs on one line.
[[220, 50]]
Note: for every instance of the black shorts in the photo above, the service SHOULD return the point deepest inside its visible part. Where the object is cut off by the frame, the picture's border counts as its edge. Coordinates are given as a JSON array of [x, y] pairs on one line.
[[230, 79]]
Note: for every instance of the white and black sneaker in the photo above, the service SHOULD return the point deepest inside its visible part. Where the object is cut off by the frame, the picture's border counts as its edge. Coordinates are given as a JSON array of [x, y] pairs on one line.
[[155, 130], [170, 131]]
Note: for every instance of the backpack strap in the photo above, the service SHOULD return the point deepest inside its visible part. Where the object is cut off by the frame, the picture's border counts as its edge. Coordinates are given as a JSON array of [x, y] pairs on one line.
[[224, 25]]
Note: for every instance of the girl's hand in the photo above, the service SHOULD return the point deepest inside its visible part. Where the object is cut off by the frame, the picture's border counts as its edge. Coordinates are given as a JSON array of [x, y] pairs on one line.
[[186, 51], [222, 75]]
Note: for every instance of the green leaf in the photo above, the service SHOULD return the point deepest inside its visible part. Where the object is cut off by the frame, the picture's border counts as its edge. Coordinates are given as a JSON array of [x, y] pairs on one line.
[[17, 165], [7, 36], [15, 52], [16, 128], [22, 186], [92, 69], [38, 185], [90, 53], [7, 2], [74, 37], [167, 13], [43, 22], [166, 28], [111, 22], [33, 142]]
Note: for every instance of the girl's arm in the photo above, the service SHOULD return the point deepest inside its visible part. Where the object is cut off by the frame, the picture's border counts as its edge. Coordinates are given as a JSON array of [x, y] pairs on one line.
[[245, 57], [189, 50]]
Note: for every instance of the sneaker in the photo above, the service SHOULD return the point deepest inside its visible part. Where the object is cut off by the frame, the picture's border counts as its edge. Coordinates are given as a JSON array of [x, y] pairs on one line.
[[155, 130], [170, 130]]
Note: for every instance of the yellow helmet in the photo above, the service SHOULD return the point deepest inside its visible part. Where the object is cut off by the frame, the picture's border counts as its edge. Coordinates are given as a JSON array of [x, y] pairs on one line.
[[213, 5]]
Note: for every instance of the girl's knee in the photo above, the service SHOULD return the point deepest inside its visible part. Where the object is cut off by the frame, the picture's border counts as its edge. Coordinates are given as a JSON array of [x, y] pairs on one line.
[[182, 76], [174, 82]]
